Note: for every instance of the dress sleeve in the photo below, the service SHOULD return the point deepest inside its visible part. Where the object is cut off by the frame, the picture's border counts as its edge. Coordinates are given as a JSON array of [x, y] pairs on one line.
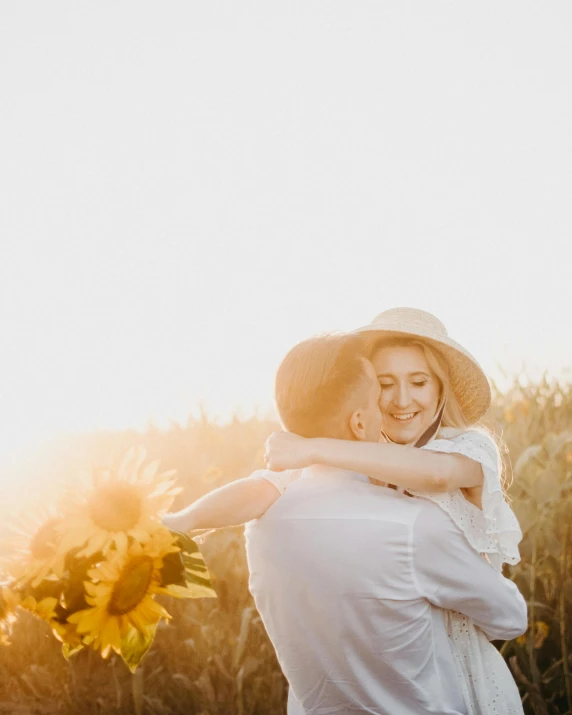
[[494, 530], [280, 480]]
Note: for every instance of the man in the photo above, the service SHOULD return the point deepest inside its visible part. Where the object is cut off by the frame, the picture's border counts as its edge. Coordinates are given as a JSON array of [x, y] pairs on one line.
[[350, 578]]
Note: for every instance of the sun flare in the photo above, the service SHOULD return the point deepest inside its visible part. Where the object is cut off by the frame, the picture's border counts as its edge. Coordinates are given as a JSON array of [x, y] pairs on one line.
[[33, 543]]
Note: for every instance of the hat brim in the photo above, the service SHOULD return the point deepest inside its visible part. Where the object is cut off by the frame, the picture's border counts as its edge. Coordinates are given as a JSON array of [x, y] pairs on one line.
[[467, 379]]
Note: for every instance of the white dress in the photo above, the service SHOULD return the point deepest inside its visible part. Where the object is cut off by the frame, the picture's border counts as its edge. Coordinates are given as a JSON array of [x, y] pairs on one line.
[[484, 677]]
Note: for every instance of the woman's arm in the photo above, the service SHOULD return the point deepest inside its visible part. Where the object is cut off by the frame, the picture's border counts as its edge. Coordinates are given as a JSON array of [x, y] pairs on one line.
[[230, 505], [407, 467]]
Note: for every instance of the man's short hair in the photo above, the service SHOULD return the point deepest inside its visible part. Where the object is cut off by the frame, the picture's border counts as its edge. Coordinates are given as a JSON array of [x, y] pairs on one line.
[[315, 380]]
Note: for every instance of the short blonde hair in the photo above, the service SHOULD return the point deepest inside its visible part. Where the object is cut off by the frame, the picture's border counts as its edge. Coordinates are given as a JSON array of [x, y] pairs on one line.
[[315, 381]]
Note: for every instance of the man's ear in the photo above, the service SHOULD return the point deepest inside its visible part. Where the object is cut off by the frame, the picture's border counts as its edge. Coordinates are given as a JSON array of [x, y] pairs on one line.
[[357, 426]]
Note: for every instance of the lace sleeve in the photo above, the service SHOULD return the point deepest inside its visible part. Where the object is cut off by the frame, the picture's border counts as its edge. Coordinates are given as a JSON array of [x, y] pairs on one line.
[[278, 479], [494, 530]]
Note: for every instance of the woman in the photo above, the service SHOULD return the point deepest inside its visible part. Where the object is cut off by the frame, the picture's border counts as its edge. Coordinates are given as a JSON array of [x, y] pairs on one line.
[[432, 392]]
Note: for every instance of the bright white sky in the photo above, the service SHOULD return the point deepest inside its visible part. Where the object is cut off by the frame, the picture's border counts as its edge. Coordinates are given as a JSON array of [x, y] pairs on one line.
[[189, 188]]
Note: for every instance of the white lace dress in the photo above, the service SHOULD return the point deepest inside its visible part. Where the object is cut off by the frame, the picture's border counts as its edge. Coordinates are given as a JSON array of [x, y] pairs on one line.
[[484, 676]]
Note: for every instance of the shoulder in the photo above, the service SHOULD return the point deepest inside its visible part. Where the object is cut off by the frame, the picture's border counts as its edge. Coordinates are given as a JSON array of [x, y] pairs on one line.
[[472, 435], [475, 443], [433, 525], [429, 514]]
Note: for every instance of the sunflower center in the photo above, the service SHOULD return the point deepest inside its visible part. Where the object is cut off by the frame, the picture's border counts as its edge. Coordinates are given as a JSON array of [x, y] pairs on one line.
[[132, 586], [115, 507], [43, 543]]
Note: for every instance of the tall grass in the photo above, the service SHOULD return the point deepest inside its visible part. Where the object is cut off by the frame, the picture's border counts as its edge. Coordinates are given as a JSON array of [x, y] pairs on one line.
[[214, 658]]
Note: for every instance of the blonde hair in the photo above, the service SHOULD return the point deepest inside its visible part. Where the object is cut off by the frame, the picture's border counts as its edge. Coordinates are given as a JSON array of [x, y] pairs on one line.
[[315, 382]]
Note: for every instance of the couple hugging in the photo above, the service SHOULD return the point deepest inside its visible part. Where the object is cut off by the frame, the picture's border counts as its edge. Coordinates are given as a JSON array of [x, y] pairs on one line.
[[376, 546]]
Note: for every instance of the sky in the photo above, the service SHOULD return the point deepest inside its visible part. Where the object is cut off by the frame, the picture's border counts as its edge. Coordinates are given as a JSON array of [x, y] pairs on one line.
[[190, 188]]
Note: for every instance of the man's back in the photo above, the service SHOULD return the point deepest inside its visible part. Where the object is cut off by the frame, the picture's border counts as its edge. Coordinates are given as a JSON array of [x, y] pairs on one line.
[[334, 578]]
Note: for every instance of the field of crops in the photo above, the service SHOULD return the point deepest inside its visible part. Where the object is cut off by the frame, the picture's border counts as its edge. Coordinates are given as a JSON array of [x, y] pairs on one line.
[[214, 657]]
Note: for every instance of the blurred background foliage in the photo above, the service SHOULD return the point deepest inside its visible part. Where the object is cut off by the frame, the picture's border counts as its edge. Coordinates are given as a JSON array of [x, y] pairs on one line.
[[214, 658]]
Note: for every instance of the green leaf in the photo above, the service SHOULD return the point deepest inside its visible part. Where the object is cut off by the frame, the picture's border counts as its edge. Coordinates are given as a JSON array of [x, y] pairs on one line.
[[173, 570], [69, 650], [185, 543], [73, 591], [136, 644], [195, 562], [196, 574]]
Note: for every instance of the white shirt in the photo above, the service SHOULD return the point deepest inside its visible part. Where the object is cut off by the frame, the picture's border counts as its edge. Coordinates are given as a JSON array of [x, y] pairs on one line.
[[350, 579]]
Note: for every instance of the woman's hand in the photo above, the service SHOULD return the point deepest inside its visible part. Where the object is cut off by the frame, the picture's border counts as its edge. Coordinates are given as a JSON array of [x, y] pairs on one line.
[[287, 451]]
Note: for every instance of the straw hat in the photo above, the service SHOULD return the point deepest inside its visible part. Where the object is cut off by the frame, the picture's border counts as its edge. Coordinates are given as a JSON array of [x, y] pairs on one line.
[[468, 381]]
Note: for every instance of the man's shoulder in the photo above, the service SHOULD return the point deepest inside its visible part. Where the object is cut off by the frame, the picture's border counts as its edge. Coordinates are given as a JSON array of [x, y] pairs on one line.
[[333, 494], [431, 521]]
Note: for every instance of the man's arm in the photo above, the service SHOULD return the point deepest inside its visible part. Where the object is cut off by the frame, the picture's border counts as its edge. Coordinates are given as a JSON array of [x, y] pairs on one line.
[[452, 575], [230, 505]]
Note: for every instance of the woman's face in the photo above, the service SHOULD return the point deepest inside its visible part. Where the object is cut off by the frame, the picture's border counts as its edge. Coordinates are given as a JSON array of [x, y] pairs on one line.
[[409, 392]]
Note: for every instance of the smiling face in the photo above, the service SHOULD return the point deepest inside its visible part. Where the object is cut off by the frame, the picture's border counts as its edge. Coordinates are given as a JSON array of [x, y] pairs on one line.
[[410, 391]]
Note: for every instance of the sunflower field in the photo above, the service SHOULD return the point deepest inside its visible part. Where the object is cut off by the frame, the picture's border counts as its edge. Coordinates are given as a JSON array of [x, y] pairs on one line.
[[211, 656]]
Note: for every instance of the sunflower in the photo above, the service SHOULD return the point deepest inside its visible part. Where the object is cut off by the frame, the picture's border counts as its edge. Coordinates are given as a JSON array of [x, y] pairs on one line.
[[121, 594], [116, 505], [11, 599], [44, 609], [33, 548]]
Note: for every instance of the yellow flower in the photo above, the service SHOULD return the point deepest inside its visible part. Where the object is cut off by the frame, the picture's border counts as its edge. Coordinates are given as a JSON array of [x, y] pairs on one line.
[[116, 505], [33, 548], [65, 632], [11, 600], [44, 609], [540, 633], [121, 593]]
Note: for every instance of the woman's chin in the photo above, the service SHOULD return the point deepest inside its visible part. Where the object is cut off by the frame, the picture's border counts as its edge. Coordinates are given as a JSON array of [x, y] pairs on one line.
[[406, 434], [403, 439]]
